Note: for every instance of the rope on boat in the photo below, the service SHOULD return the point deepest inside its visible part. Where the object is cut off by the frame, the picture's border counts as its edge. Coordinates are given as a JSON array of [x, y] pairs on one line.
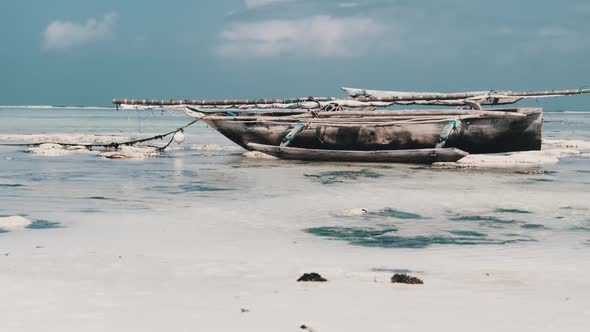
[[116, 145], [291, 135], [449, 129], [332, 107]]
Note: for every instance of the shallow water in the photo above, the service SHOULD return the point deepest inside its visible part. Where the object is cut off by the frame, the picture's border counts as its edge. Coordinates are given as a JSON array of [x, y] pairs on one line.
[[190, 238], [408, 206]]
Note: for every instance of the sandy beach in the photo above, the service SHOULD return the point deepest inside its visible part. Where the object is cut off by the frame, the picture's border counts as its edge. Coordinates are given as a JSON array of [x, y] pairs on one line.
[[223, 271]]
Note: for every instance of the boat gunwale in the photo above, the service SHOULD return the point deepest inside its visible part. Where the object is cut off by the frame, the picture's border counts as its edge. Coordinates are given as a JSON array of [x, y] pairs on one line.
[[350, 115]]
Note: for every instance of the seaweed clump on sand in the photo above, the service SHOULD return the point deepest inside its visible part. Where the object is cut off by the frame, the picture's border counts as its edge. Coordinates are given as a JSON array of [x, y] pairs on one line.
[[405, 279], [311, 277]]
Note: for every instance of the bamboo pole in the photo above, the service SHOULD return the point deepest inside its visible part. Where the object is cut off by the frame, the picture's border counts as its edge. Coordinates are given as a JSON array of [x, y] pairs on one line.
[[216, 102], [356, 118], [313, 123], [467, 95], [392, 99]]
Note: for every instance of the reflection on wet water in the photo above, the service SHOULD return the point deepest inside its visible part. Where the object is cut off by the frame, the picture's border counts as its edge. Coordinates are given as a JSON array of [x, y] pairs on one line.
[[389, 212], [468, 233], [100, 198], [533, 226], [512, 211], [343, 176], [43, 224], [393, 270], [200, 187], [486, 219], [370, 237]]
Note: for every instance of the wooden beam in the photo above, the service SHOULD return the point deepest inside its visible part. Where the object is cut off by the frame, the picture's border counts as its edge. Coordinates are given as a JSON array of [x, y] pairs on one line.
[[216, 102]]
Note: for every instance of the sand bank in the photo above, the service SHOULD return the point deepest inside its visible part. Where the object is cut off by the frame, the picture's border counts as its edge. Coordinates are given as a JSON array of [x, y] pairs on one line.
[[515, 159], [64, 138], [131, 152], [14, 223], [258, 155], [568, 144], [56, 150], [220, 274], [215, 147]]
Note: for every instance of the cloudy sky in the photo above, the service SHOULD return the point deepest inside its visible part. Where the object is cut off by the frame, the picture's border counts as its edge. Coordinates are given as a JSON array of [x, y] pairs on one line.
[[85, 52]]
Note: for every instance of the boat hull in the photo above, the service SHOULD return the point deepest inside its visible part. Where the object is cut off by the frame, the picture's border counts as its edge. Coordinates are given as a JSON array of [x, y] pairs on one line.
[[520, 131]]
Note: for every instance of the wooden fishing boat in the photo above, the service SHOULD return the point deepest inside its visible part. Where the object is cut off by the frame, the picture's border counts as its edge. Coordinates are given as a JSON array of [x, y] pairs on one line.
[[501, 130], [416, 156], [352, 123]]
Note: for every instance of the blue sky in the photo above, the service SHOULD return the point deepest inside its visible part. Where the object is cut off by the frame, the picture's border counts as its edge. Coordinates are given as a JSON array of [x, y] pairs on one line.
[[75, 52]]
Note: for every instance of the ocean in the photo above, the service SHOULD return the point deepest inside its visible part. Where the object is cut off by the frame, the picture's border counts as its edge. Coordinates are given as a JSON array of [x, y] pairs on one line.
[[201, 231]]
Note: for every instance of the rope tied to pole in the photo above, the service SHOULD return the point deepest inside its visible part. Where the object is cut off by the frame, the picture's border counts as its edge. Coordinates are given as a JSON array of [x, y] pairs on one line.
[[116, 145]]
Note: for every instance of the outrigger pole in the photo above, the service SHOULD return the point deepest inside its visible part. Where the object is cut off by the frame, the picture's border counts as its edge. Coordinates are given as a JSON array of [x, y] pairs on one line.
[[363, 98], [217, 102], [368, 95]]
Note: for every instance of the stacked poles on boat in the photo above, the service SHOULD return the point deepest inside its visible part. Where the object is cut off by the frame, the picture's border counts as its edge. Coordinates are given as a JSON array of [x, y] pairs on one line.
[[363, 98]]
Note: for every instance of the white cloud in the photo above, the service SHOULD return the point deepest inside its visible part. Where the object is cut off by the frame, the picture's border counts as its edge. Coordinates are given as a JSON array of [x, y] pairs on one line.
[[66, 34], [323, 36], [545, 42], [348, 4], [560, 39], [582, 8], [262, 3]]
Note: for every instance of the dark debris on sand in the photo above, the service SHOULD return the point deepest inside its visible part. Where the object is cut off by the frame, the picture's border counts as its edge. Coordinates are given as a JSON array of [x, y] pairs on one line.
[[311, 277], [405, 279]]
